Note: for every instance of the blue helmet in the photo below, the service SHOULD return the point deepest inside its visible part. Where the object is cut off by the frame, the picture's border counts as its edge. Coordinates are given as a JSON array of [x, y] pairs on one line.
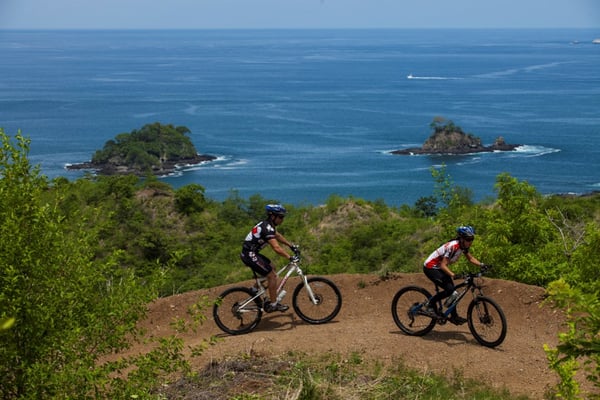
[[275, 209], [465, 231]]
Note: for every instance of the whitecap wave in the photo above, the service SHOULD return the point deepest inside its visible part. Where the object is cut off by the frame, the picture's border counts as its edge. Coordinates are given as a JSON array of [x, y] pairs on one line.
[[222, 162], [471, 160], [534, 151], [234, 164], [192, 109], [390, 152], [219, 162]]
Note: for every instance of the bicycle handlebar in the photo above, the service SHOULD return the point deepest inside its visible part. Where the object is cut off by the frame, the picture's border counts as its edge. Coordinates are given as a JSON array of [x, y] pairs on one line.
[[295, 249], [470, 275], [295, 259]]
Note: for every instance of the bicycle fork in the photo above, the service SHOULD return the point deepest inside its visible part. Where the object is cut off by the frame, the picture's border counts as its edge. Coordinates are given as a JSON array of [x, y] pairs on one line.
[[311, 294], [483, 313]]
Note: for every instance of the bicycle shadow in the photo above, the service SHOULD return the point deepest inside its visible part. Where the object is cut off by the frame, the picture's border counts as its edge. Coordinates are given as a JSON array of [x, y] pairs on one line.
[[450, 338], [282, 322], [278, 322]]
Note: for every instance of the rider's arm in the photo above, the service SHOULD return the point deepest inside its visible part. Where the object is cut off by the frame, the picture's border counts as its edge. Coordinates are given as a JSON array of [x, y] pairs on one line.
[[274, 243], [281, 239], [473, 260], [444, 267]]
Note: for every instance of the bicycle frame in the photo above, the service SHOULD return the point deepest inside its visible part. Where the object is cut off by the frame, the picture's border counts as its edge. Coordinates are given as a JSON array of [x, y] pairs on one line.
[[467, 284], [287, 271]]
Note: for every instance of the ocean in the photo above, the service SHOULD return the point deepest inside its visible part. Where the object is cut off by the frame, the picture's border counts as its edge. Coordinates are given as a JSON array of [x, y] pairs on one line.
[[299, 115]]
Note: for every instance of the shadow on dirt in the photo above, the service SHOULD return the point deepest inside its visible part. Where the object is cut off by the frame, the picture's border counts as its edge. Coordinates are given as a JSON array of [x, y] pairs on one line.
[[450, 338], [277, 323]]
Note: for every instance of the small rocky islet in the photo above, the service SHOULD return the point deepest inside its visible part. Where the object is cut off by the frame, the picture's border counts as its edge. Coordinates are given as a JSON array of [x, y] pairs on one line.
[[156, 149], [450, 139]]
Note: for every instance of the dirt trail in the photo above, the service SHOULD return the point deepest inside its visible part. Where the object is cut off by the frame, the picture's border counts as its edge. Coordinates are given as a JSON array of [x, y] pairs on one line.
[[365, 325]]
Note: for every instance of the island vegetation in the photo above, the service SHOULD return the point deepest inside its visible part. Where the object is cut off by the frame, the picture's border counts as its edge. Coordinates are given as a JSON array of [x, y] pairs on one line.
[[80, 260], [448, 138], [153, 149]]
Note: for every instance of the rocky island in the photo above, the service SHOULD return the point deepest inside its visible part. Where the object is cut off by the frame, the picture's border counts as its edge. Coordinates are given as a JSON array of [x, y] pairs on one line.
[[448, 138], [154, 149]]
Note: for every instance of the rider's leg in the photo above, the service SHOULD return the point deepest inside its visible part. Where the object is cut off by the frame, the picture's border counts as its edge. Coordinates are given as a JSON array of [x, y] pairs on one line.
[[274, 305], [439, 278], [261, 265], [272, 279]]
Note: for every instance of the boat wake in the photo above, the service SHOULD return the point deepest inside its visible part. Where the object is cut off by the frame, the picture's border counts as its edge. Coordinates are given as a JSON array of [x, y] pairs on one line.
[[438, 78]]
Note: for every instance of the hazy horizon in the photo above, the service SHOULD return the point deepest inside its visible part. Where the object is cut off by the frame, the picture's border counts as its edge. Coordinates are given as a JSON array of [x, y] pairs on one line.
[[298, 14]]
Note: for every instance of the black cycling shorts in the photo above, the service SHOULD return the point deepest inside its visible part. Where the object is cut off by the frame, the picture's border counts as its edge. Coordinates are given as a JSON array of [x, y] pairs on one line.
[[257, 262], [441, 279]]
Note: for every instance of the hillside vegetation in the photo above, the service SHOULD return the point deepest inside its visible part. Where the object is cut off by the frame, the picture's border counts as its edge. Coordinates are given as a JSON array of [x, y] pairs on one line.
[[81, 259]]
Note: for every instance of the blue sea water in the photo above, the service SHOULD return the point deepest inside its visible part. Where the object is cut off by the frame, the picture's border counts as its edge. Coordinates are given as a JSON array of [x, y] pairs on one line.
[[299, 115]]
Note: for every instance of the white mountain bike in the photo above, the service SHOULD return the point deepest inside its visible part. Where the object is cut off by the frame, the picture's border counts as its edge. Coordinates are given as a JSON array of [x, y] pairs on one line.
[[316, 300]]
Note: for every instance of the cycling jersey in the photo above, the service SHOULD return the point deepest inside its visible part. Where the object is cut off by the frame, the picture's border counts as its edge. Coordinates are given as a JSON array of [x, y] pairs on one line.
[[258, 237], [450, 250]]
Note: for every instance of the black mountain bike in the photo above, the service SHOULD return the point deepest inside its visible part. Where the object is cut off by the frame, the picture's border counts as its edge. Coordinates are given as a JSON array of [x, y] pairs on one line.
[[486, 319], [239, 309]]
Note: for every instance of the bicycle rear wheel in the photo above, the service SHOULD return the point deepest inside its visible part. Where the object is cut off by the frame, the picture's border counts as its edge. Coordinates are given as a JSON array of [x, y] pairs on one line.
[[328, 301], [487, 322], [235, 313], [407, 313]]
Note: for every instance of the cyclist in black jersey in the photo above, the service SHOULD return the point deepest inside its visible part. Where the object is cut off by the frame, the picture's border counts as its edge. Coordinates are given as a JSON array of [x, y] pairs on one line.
[[262, 234]]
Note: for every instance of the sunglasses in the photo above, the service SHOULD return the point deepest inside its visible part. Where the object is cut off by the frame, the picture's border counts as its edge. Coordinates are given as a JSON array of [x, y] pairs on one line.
[[469, 239]]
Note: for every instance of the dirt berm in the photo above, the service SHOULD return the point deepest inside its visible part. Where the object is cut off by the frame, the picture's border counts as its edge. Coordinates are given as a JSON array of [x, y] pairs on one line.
[[365, 326]]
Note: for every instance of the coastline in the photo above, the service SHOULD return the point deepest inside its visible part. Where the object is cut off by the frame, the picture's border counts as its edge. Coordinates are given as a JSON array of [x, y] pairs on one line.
[[166, 168], [483, 149]]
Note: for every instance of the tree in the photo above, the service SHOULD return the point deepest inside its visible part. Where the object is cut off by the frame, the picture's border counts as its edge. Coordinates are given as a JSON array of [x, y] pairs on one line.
[[579, 347], [190, 199], [426, 206], [452, 196], [68, 310]]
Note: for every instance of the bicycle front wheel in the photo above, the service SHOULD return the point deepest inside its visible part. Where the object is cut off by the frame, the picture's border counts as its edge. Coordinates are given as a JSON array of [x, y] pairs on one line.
[[234, 311], [407, 311], [328, 300], [487, 322]]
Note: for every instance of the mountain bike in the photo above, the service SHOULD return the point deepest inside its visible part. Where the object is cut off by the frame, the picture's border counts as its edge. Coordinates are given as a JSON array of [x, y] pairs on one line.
[[316, 300], [486, 319]]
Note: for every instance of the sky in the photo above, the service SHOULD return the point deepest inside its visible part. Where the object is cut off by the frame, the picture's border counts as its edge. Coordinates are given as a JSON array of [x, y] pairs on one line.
[[304, 14]]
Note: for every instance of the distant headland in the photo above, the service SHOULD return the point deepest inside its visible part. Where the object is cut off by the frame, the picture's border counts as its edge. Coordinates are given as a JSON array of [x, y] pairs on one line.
[[155, 149], [448, 138]]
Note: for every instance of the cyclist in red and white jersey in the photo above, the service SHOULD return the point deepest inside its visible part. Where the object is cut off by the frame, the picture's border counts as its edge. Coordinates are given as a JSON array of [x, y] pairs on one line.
[[436, 267]]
